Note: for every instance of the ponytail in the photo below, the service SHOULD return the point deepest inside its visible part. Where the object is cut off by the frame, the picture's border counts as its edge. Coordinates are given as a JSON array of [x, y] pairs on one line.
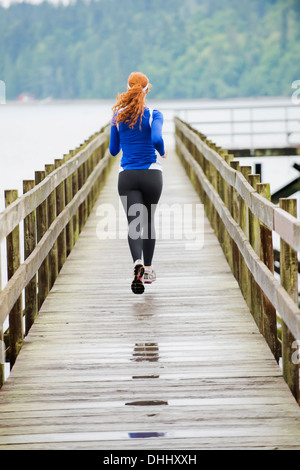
[[130, 105]]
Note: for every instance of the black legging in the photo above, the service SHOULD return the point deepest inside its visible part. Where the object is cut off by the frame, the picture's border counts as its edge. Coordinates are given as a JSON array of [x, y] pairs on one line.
[[140, 191]]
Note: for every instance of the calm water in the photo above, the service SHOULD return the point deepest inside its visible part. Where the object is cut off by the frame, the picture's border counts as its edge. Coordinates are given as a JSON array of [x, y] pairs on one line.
[[33, 135]]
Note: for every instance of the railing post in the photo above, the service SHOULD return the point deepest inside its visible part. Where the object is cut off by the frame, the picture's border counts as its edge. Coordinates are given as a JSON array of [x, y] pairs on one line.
[[51, 201], [31, 305], [235, 212], [268, 311], [82, 206], [2, 356], [13, 262], [254, 239], [245, 282], [220, 190], [254, 230], [85, 202], [89, 168], [213, 179], [76, 215], [60, 205], [226, 196], [289, 280], [42, 227], [69, 227]]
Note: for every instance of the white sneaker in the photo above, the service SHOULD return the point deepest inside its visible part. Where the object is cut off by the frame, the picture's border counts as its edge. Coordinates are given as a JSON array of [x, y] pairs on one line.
[[149, 276]]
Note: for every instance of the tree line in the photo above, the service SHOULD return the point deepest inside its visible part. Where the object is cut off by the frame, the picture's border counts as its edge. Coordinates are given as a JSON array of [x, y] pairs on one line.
[[188, 48]]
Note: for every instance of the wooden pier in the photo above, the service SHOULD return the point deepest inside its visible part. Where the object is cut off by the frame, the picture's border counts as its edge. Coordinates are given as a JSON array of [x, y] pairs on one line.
[[183, 366]]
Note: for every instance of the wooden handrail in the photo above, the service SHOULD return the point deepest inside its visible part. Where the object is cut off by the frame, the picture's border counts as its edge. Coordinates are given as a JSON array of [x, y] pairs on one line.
[[54, 211], [220, 186], [26, 271], [283, 223], [24, 205]]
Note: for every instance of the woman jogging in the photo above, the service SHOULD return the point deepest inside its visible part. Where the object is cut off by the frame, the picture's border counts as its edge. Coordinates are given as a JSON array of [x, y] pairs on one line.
[[138, 132]]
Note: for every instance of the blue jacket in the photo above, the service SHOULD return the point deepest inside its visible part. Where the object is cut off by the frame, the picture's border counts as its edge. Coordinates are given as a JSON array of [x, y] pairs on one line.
[[138, 145]]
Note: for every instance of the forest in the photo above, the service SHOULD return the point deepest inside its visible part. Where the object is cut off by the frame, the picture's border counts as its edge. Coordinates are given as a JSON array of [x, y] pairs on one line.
[[188, 48]]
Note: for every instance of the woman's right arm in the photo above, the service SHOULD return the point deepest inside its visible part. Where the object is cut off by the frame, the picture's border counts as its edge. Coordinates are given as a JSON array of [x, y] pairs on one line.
[[114, 143]]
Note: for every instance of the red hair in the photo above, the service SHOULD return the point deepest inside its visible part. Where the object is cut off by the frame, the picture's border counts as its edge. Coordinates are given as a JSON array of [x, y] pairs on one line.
[[130, 105]]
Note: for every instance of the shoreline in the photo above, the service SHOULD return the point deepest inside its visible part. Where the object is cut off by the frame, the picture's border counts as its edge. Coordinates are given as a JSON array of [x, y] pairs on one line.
[[286, 100]]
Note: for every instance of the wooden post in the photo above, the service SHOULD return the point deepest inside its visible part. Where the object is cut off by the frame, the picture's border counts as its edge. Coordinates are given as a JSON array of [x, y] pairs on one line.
[[268, 311], [254, 229], [60, 205], [90, 195], [31, 304], [76, 215], [94, 187], [220, 190], [245, 283], [85, 202], [235, 207], [226, 191], [13, 262], [51, 201], [289, 280], [204, 165], [69, 227], [42, 227], [2, 356], [244, 223], [74, 192], [235, 212], [82, 206], [212, 177], [254, 238]]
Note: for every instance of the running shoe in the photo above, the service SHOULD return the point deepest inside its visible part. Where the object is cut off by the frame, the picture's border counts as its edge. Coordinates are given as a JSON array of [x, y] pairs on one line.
[[137, 285], [149, 276]]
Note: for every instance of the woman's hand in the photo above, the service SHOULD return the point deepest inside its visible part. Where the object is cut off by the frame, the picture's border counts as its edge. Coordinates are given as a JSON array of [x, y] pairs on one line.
[[165, 155]]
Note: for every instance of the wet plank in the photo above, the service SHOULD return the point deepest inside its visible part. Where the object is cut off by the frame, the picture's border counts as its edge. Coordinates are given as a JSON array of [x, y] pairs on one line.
[[181, 367]]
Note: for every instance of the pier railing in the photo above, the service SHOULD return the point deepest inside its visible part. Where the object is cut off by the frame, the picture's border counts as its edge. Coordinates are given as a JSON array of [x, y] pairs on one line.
[[244, 126], [240, 211], [53, 211]]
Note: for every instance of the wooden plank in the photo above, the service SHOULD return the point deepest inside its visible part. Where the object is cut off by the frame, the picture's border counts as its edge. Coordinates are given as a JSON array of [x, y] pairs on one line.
[[183, 363]]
